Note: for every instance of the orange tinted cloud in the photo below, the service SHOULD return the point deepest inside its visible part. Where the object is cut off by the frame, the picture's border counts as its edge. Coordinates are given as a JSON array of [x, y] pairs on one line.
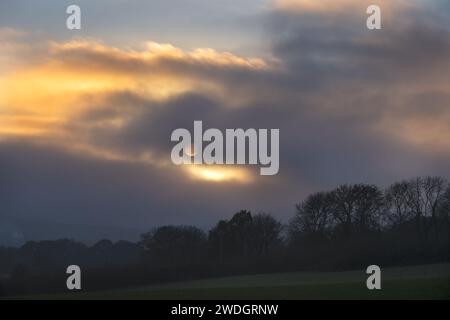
[[40, 100], [58, 85], [338, 6], [219, 173]]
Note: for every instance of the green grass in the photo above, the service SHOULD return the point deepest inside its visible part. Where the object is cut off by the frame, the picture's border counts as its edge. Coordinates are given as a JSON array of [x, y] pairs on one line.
[[414, 282]]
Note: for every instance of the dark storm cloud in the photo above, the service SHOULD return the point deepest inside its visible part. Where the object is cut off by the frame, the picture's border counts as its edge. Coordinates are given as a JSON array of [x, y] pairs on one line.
[[410, 45]]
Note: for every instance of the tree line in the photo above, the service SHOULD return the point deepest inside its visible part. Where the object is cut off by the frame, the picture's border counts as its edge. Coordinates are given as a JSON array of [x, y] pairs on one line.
[[352, 226]]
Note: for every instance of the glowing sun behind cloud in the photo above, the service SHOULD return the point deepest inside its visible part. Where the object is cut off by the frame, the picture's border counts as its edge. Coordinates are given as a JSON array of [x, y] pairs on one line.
[[219, 173]]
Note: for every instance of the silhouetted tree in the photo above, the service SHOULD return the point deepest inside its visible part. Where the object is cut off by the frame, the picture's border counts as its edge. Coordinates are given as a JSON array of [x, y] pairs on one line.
[[244, 235], [423, 198], [233, 238], [434, 189], [398, 210], [313, 217], [266, 233], [444, 207], [174, 245], [218, 240], [240, 227], [357, 208]]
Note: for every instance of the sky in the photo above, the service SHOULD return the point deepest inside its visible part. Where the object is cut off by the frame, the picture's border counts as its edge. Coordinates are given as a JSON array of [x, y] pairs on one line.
[[86, 115]]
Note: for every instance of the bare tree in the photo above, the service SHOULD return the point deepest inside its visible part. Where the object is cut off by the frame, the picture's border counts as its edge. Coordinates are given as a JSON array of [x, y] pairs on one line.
[[423, 197], [398, 210], [444, 206], [313, 216], [434, 188], [266, 232], [357, 207]]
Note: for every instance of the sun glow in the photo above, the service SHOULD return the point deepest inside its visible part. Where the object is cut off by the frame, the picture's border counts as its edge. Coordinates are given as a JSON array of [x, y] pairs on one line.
[[219, 174]]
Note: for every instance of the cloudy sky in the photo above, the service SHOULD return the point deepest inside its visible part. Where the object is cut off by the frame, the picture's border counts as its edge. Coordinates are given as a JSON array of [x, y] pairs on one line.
[[86, 115]]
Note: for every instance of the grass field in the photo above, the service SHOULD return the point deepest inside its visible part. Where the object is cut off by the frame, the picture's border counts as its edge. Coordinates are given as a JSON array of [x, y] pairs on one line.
[[413, 282]]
